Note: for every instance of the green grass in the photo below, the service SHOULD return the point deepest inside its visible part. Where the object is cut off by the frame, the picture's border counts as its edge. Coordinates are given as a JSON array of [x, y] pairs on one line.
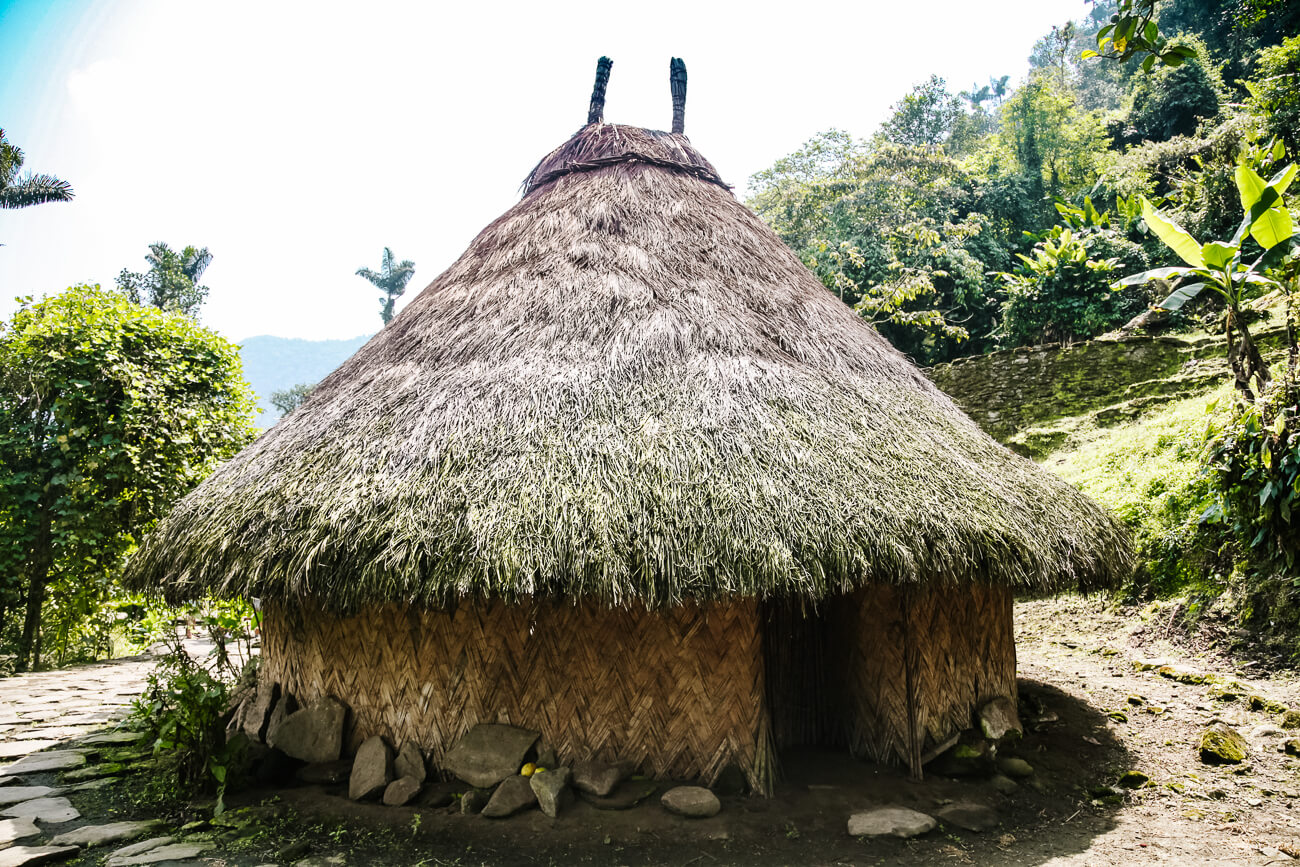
[[1148, 472]]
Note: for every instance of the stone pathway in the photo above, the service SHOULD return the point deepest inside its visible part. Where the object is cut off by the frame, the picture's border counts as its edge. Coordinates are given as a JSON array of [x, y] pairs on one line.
[[51, 722]]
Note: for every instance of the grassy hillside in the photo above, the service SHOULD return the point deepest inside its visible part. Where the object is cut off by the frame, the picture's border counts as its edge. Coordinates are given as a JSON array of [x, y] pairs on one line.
[[274, 363]]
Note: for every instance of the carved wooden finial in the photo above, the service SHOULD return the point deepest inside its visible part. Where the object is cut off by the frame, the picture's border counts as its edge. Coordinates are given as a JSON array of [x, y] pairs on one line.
[[677, 80], [596, 113]]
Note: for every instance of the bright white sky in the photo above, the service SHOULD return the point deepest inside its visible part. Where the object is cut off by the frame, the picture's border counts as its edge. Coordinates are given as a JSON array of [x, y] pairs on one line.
[[296, 140]]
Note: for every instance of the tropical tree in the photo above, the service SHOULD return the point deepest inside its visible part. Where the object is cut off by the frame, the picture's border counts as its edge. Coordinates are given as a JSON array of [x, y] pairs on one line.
[[924, 117], [286, 400], [172, 281], [22, 192], [1220, 266], [391, 279], [109, 411]]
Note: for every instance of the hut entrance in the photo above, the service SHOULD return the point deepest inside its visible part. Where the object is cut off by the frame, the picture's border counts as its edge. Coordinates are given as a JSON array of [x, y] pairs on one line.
[[807, 683]]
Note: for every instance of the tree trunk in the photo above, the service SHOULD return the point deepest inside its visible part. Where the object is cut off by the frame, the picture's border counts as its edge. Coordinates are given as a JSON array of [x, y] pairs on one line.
[[29, 645]]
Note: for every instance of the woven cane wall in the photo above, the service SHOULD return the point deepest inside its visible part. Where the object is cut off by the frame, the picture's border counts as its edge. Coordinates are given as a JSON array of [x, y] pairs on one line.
[[956, 646], [678, 692], [840, 674]]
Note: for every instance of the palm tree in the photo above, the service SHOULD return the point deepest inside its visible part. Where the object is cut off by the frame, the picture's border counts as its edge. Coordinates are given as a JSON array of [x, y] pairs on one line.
[[16, 192], [999, 86], [172, 281], [391, 279]]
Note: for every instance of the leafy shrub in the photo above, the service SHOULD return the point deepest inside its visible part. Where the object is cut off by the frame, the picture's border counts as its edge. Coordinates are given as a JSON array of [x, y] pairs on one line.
[[1275, 92], [1173, 101], [182, 710], [1061, 291]]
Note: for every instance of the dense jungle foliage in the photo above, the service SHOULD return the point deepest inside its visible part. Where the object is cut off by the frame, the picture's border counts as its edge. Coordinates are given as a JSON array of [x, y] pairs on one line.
[[1010, 214]]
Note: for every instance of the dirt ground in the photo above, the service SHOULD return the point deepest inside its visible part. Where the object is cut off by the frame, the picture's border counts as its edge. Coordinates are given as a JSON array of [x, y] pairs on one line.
[[1090, 716]]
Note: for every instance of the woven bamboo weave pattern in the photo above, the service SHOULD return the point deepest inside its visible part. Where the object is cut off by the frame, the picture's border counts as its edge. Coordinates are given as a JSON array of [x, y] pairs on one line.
[[679, 692]]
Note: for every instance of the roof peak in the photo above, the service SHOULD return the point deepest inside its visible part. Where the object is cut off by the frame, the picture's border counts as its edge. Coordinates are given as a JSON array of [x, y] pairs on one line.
[[601, 145]]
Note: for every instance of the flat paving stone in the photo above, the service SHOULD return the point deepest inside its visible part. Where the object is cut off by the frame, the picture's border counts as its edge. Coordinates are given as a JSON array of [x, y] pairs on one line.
[[17, 829], [142, 846], [17, 794], [54, 760], [14, 749], [102, 835], [105, 738], [170, 852], [25, 856], [49, 810]]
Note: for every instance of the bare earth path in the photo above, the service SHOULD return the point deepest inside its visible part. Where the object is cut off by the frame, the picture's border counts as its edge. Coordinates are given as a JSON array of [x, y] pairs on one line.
[[1091, 714]]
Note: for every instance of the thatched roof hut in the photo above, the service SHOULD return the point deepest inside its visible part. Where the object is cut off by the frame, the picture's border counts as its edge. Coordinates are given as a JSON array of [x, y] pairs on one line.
[[628, 474]]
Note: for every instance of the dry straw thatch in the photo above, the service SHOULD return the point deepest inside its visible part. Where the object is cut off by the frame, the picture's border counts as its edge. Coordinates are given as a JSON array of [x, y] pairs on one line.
[[627, 388]]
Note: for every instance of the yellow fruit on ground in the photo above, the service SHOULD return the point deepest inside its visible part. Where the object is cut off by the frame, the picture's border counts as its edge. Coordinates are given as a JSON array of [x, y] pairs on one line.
[[528, 770]]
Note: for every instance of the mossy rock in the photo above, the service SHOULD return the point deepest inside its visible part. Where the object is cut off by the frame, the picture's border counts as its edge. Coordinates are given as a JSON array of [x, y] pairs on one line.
[[1259, 702], [1133, 780], [1291, 719], [1292, 747], [1222, 745]]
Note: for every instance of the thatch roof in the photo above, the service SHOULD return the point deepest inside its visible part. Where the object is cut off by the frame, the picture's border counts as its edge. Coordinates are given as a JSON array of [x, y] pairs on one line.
[[627, 388]]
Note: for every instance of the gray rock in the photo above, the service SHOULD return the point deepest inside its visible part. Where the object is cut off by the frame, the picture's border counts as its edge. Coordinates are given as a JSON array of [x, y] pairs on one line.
[[142, 846], [111, 739], [286, 705], [15, 794], [312, 734], [410, 763], [170, 852], [322, 861], [598, 778], [295, 851], [628, 794], [256, 711], [326, 773], [1266, 731], [54, 760], [23, 856], [372, 770], [971, 817], [488, 754], [514, 794], [694, 802], [474, 801], [400, 791], [51, 811], [546, 757], [1003, 784], [17, 829], [999, 721], [551, 787], [101, 835], [1015, 768], [890, 822]]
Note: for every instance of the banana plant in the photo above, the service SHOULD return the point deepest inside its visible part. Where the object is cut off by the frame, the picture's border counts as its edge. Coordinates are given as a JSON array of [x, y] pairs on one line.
[[1220, 266]]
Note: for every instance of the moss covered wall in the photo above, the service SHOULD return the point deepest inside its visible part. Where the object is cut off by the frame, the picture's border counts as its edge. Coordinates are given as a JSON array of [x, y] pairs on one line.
[[1031, 398]]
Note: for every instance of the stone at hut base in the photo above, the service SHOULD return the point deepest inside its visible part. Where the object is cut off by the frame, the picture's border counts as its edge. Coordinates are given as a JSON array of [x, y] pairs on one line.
[[999, 721], [26, 856], [372, 769], [968, 816], [973, 759], [514, 794], [488, 754], [1003, 784], [17, 829], [101, 835], [1222, 745], [551, 787], [1015, 768], [694, 802], [401, 791], [628, 794], [474, 801], [312, 734], [410, 763], [326, 773], [598, 778], [890, 822], [256, 710]]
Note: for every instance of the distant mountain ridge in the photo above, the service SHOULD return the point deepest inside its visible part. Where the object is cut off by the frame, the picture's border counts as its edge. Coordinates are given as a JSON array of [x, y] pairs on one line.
[[275, 363]]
